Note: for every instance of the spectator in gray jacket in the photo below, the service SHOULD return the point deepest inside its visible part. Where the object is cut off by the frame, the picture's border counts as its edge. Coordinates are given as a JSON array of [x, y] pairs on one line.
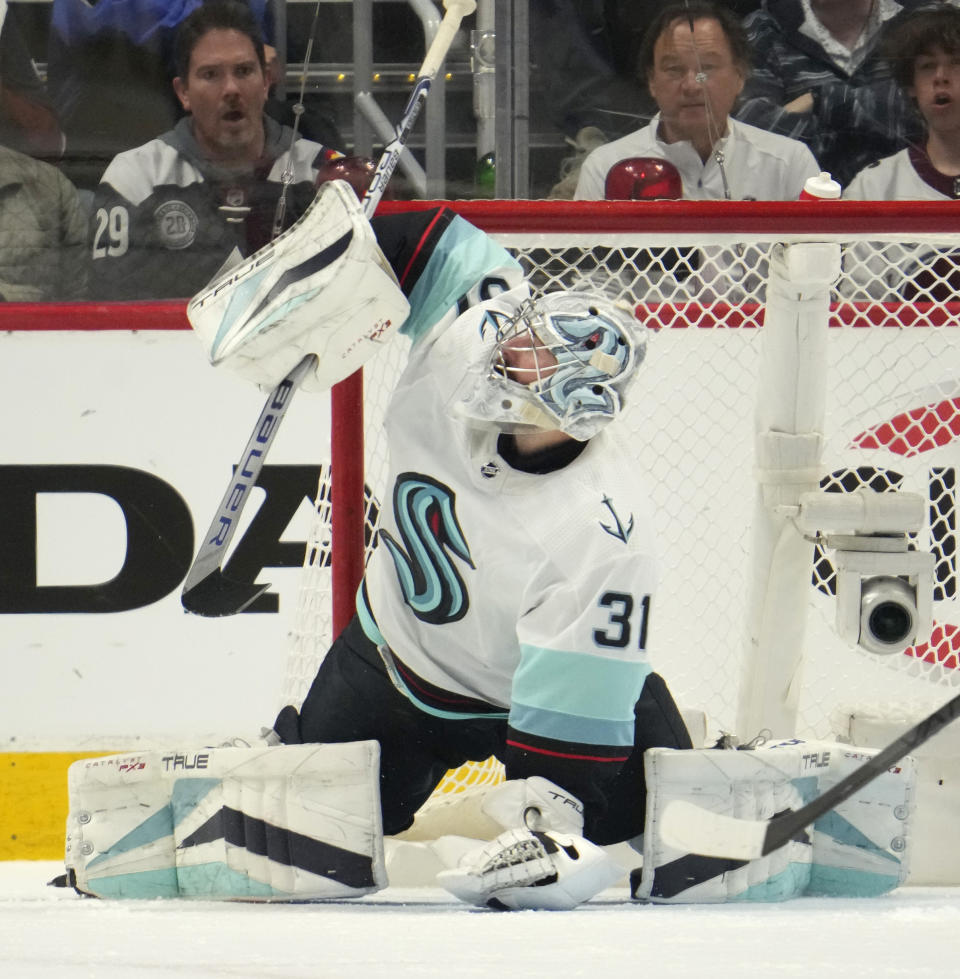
[[43, 232], [819, 75]]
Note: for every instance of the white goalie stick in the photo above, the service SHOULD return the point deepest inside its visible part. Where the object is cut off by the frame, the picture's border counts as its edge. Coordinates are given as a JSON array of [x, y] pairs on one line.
[[206, 590], [687, 827]]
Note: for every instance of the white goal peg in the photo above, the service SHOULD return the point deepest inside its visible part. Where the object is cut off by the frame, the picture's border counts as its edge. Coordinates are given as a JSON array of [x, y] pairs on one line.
[[812, 262], [864, 511]]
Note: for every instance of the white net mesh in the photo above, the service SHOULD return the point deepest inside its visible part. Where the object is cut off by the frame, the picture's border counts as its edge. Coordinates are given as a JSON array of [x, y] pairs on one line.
[[892, 422]]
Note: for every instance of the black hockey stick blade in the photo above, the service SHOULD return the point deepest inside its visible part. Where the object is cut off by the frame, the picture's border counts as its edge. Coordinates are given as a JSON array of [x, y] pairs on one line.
[[217, 595], [687, 827], [206, 590]]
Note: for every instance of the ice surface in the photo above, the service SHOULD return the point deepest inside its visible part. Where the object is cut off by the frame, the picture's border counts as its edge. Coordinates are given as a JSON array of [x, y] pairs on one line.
[[50, 932]]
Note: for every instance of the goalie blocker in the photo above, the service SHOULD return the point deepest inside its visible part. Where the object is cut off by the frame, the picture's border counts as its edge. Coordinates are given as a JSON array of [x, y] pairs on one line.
[[260, 320], [292, 822]]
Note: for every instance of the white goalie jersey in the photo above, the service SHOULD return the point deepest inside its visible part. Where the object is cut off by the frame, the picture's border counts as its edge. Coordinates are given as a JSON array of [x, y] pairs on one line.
[[496, 589]]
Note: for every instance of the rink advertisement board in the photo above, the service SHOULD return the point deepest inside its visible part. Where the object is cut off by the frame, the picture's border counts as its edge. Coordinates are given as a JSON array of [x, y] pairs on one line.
[[122, 442], [119, 446]]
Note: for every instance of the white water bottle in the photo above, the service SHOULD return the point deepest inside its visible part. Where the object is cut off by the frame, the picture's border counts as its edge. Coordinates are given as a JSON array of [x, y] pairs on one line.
[[820, 188]]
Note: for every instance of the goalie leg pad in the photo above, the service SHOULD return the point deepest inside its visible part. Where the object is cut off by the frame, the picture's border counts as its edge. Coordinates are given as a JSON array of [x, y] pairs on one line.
[[525, 869], [293, 822], [859, 849], [322, 287]]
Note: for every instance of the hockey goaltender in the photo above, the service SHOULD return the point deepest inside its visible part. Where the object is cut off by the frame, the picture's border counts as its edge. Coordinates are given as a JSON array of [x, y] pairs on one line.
[[506, 611]]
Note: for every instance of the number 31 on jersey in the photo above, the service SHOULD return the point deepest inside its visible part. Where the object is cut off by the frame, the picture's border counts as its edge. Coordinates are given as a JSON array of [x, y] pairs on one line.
[[623, 624]]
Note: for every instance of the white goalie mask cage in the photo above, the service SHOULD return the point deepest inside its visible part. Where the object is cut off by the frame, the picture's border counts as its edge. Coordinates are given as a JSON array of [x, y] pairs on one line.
[[562, 361]]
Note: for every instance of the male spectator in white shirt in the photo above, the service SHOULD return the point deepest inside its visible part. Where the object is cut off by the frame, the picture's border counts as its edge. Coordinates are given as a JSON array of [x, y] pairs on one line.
[[695, 59]]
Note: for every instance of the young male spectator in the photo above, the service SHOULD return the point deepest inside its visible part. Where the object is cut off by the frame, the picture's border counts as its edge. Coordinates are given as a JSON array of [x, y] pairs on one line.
[[695, 59], [925, 59], [924, 51], [819, 75], [168, 213]]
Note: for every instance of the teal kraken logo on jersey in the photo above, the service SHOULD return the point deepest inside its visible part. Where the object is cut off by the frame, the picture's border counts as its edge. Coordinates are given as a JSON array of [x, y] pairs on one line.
[[425, 511], [617, 530]]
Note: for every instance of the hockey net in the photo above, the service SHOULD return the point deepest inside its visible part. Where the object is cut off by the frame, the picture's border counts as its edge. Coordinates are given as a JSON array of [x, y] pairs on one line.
[[696, 274]]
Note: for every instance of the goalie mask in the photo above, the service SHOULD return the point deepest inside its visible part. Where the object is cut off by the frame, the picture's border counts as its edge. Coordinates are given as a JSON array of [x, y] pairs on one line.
[[563, 361]]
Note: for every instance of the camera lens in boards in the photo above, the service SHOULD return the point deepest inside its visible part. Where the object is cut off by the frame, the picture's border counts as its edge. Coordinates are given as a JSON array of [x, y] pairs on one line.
[[890, 622], [888, 615]]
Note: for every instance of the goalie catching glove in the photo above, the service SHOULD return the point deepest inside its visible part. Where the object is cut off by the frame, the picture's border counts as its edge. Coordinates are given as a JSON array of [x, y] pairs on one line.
[[547, 865], [323, 287], [525, 869]]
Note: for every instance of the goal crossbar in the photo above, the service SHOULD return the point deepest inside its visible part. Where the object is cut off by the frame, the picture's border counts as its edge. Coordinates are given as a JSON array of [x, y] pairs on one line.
[[760, 220]]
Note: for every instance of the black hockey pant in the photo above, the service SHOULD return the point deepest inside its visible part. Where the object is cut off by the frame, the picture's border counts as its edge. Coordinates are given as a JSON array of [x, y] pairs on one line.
[[353, 699]]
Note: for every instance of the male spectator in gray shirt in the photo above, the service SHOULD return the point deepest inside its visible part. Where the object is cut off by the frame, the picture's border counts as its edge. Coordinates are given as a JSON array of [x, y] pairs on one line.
[[169, 213]]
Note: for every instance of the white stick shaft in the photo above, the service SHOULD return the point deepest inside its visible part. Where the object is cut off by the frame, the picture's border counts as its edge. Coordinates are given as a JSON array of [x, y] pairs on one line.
[[690, 829], [446, 32], [217, 539]]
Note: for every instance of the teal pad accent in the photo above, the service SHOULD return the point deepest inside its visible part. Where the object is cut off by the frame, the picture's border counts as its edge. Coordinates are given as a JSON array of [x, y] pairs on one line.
[[845, 833], [146, 885], [843, 882], [285, 310], [243, 292], [187, 793], [831, 881], [216, 880], [153, 828], [806, 785], [791, 882]]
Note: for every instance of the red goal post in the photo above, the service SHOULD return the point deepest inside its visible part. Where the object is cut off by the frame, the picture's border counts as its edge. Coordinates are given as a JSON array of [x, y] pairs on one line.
[[695, 273]]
